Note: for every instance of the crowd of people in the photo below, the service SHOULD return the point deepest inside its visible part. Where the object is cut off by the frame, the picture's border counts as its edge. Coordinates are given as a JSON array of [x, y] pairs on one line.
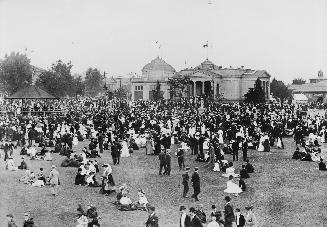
[[163, 128]]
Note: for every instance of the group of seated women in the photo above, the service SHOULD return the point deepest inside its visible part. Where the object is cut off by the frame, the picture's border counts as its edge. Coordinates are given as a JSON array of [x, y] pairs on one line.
[[124, 203], [310, 153], [36, 180]]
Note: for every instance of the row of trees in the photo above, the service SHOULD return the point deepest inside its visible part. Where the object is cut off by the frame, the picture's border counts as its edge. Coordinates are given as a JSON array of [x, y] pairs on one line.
[[16, 73]]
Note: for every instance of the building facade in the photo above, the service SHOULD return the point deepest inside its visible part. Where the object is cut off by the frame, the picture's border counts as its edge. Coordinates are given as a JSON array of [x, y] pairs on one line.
[[154, 73], [207, 79], [315, 90]]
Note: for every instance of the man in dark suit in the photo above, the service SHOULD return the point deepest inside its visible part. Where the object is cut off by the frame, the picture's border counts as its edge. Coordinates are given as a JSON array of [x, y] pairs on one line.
[[229, 213], [239, 218], [100, 141], [186, 178], [235, 147], [185, 219], [168, 163], [322, 165], [195, 221], [180, 158], [245, 149], [201, 141], [243, 173], [196, 184], [162, 160], [114, 153], [153, 220]]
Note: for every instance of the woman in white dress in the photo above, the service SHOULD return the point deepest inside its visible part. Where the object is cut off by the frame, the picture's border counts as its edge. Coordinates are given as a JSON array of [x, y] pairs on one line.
[[232, 188], [230, 171], [124, 149], [261, 147], [220, 136]]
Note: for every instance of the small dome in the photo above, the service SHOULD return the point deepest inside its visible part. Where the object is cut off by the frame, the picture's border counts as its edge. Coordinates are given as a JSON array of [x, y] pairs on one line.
[[158, 64]]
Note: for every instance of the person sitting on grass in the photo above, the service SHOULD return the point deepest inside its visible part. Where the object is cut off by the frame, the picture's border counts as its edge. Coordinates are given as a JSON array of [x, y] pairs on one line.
[[242, 184], [143, 201], [10, 165], [40, 182], [122, 190], [47, 156], [23, 164], [23, 150], [91, 180], [232, 188], [125, 202], [31, 151], [230, 171], [80, 179], [322, 165], [297, 154], [243, 173], [249, 167]]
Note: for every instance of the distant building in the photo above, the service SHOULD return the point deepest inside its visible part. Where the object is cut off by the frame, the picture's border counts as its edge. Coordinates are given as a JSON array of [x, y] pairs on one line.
[[230, 83], [157, 71], [317, 88], [319, 78]]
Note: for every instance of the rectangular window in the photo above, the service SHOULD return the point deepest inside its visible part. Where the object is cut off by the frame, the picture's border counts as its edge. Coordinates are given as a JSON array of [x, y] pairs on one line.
[[139, 88]]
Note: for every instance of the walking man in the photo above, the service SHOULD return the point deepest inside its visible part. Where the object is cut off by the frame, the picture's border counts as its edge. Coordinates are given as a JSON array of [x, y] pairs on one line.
[[162, 160], [186, 178], [196, 184]]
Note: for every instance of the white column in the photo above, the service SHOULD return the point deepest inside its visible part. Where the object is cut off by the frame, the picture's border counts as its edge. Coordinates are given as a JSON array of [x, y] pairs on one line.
[[214, 89], [194, 89], [202, 87]]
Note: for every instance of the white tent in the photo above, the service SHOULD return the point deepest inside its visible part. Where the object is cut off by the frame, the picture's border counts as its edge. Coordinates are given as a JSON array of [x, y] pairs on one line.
[[300, 98]]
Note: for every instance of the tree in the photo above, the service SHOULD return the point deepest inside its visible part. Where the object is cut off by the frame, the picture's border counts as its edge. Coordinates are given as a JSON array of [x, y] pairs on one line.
[[58, 80], [79, 85], [298, 81], [280, 90], [177, 86], [15, 72], [93, 81], [256, 94], [157, 93]]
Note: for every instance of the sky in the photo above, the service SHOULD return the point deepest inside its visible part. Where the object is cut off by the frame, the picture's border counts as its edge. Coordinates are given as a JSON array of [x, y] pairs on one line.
[[288, 39]]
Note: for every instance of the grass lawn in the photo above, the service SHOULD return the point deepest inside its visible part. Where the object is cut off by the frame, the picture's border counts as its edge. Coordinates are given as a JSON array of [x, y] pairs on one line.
[[284, 192]]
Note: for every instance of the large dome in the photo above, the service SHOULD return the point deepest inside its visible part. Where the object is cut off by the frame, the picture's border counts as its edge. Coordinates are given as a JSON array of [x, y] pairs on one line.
[[158, 64]]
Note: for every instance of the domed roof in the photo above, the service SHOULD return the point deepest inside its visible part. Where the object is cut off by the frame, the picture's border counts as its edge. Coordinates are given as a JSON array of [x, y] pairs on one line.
[[158, 64]]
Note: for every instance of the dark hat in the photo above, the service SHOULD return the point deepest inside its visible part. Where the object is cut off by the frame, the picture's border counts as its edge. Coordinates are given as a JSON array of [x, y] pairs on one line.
[[10, 215], [227, 198], [182, 208], [187, 168], [196, 168], [213, 207]]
